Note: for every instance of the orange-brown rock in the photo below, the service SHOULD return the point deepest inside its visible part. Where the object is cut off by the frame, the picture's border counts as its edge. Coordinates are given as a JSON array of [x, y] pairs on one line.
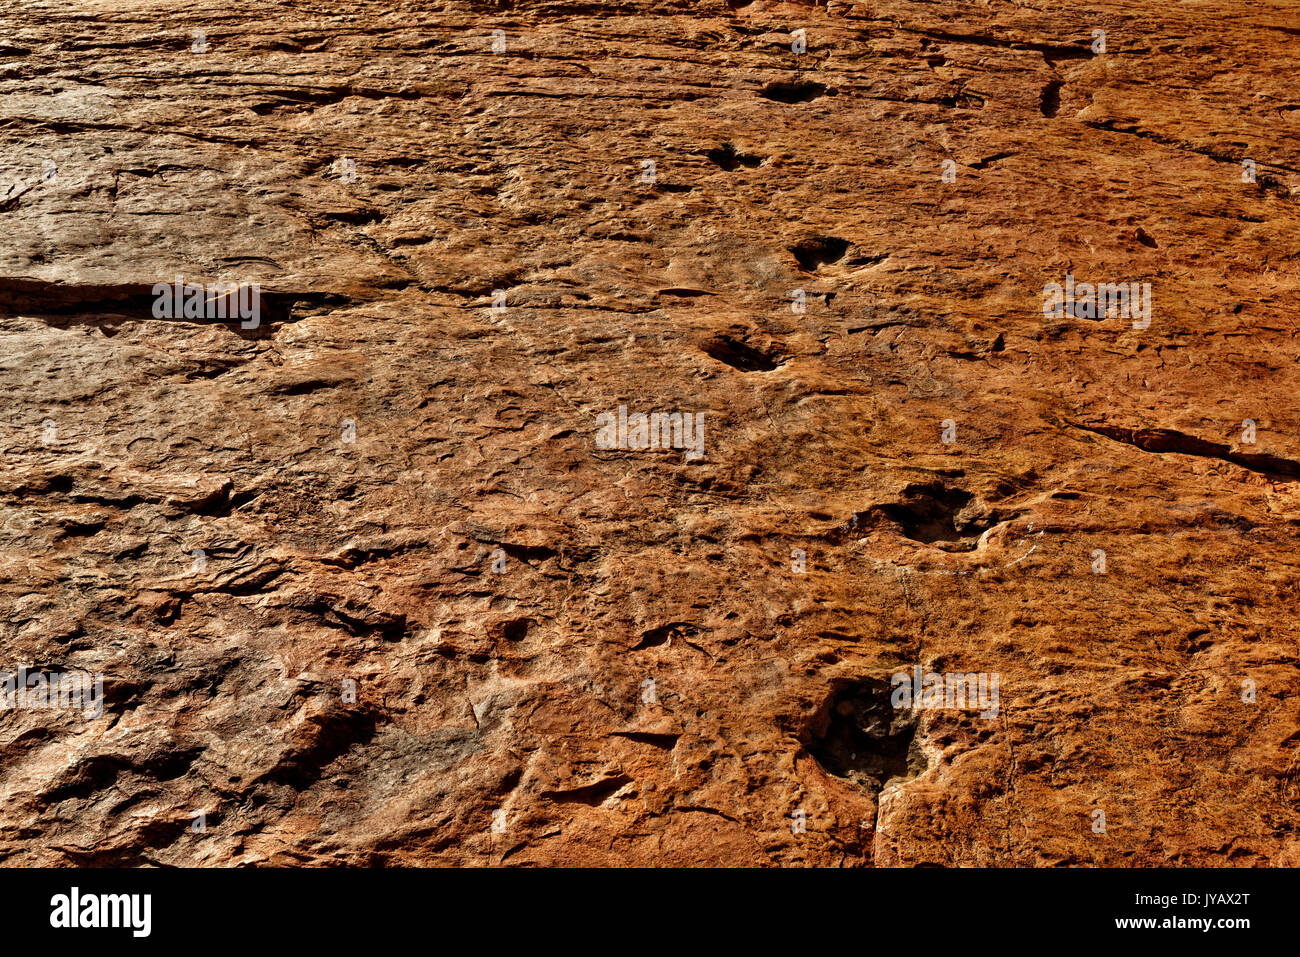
[[469, 247]]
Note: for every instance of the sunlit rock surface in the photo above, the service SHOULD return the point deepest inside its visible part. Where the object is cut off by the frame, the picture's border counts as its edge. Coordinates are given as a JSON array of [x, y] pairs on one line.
[[572, 652]]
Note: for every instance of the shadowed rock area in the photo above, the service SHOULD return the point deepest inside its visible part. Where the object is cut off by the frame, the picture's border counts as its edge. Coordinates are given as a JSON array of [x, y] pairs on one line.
[[367, 586]]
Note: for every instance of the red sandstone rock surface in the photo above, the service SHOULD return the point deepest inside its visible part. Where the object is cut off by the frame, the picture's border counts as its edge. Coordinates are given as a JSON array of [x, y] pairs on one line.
[[566, 654]]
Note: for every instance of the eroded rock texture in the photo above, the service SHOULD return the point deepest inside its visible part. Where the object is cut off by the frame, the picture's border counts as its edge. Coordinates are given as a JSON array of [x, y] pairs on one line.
[[393, 481]]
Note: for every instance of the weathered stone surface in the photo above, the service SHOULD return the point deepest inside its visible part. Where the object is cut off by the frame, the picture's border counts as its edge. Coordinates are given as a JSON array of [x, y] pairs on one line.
[[350, 467]]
